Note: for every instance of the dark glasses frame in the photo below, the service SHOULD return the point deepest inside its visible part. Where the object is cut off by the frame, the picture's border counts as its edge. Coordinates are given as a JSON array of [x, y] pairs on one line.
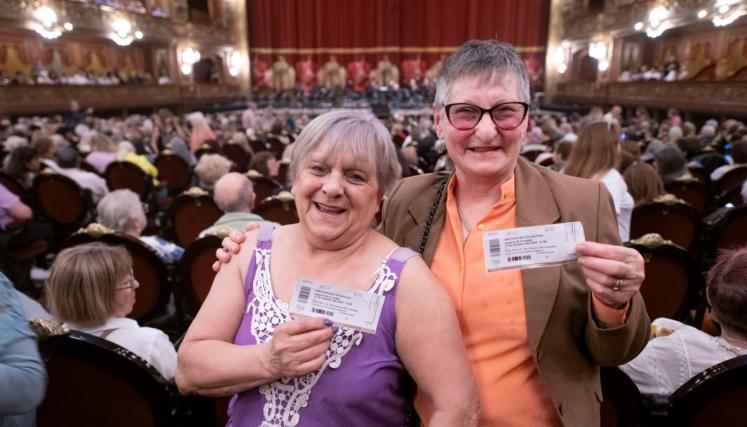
[[525, 105]]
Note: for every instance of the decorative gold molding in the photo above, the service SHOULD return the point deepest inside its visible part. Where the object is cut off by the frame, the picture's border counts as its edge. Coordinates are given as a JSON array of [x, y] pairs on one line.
[[222, 232], [667, 199], [254, 174], [95, 229], [195, 192], [651, 241], [284, 196], [47, 328]]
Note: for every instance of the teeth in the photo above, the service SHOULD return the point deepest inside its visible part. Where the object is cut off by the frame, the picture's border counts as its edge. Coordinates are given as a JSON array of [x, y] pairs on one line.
[[329, 208], [481, 149]]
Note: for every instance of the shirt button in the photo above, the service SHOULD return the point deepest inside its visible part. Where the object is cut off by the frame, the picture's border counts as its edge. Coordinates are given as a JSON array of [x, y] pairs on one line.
[[481, 227]]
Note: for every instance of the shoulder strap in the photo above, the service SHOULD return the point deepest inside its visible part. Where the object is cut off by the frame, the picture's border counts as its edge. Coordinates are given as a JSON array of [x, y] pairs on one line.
[[264, 237], [397, 260], [432, 213], [106, 333]]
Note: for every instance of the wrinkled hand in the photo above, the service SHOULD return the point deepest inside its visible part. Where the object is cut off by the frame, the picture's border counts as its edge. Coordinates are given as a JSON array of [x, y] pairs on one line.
[[231, 245], [297, 347], [604, 264]]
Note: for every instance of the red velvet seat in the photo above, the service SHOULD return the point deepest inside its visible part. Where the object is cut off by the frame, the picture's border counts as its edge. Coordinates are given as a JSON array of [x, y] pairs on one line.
[[190, 213], [280, 208]]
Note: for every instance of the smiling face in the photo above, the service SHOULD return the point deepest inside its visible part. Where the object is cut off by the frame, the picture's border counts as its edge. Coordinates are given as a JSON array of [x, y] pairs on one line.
[[336, 196], [484, 153]]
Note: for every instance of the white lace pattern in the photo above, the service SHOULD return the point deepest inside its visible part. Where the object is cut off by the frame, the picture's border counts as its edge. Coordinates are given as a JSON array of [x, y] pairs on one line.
[[285, 397]]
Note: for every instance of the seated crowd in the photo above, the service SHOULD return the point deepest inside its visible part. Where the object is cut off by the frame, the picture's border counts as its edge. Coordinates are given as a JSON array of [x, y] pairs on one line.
[[92, 287]]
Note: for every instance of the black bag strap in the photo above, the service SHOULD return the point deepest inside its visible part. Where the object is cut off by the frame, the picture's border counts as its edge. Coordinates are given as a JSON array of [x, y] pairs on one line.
[[432, 213]]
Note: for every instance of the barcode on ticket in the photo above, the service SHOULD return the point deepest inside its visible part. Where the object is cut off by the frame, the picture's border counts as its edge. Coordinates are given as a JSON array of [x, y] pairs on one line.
[[324, 312], [304, 293], [519, 258]]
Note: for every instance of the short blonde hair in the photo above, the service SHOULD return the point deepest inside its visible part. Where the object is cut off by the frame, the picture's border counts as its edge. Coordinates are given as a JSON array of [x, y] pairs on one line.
[[356, 132], [83, 282]]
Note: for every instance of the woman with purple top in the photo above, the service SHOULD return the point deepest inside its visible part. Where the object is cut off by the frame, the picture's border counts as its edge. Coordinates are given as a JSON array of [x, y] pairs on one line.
[[287, 370]]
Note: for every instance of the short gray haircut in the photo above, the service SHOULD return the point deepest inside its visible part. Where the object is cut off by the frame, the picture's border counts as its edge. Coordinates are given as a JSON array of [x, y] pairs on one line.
[[237, 200], [488, 60], [118, 210], [357, 132]]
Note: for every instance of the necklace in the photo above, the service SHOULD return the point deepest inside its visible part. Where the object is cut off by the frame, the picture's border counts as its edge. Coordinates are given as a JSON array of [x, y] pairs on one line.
[[466, 226]]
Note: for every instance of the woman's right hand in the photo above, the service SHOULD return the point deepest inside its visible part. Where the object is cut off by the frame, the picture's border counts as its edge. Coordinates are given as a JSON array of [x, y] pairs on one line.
[[231, 245], [297, 347]]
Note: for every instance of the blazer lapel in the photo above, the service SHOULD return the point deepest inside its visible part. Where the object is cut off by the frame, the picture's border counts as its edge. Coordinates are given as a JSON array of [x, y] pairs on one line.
[[535, 205]]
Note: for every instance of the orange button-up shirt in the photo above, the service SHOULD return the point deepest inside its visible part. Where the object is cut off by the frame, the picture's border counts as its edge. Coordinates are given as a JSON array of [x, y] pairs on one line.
[[491, 312]]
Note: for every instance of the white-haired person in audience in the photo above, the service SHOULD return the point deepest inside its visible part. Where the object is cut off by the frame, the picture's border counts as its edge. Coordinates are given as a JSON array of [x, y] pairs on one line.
[[234, 195], [210, 168], [677, 352], [122, 212], [68, 161], [92, 289]]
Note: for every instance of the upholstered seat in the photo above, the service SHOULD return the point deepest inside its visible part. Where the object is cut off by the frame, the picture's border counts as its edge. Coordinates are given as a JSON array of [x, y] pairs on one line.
[[671, 218], [280, 208], [174, 172], [190, 213], [714, 397], [127, 175], [196, 272], [674, 283]]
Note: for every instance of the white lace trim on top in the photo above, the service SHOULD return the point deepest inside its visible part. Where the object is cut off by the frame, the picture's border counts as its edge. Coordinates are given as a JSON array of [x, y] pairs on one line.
[[285, 397]]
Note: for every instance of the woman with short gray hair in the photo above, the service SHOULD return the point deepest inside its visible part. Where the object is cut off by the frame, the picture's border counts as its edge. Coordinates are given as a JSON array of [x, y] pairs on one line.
[[122, 212]]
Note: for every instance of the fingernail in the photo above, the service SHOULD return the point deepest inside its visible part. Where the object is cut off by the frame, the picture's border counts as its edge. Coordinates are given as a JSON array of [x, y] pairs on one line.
[[335, 329], [327, 322]]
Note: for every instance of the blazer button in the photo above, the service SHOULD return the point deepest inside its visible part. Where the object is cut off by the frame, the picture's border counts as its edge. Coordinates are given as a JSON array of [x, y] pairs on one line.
[[539, 355]]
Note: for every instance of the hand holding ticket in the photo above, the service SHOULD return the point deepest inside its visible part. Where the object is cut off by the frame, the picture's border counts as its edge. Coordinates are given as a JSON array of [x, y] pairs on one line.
[[529, 247], [343, 306]]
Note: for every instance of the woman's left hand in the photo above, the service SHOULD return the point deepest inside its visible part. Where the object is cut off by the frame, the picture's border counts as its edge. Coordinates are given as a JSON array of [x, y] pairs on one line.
[[614, 273]]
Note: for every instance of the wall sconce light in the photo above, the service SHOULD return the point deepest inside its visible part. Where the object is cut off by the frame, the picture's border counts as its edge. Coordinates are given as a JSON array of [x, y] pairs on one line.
[[598, 50], [188, 58], [234, 63], [46, 23], [561, 56], [122, 32]]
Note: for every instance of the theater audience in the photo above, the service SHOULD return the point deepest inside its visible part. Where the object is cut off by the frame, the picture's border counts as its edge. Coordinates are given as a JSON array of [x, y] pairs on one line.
[[23, 377], [671, 164], [23, 164], [92, 288], [561, 152], [201, 131], [122, 212], [47, 151], [595, 156], [266, 164], [738, 154], [210, 168], [234, 195], [677, 352], [644, 183], [68, 162], [103, 152], [126, 153]]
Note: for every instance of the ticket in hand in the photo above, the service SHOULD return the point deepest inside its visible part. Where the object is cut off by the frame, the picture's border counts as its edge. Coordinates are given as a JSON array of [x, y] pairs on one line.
[[529, 247], [343, 306]]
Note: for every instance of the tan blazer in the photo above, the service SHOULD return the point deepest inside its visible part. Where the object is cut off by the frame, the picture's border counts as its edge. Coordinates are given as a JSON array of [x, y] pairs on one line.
[[566, 342]]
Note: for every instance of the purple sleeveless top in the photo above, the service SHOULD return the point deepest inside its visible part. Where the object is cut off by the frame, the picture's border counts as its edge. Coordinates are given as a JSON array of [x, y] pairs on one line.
[[359, 384]]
